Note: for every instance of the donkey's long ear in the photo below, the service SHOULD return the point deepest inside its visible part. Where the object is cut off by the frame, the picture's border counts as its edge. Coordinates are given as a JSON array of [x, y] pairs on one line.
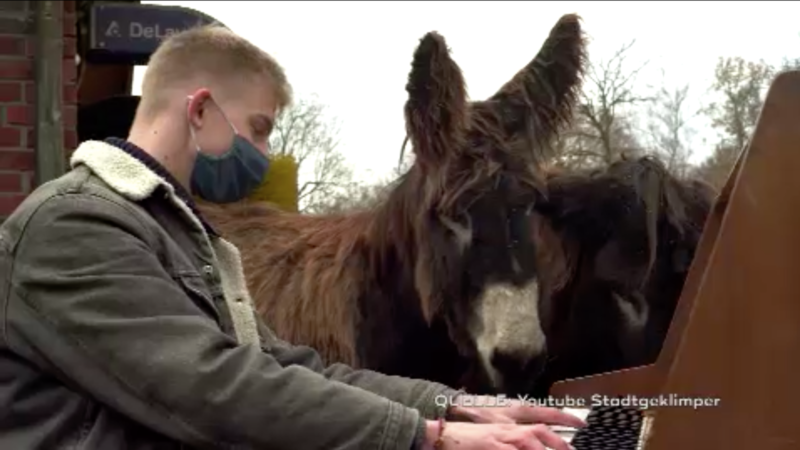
[[540, 98], [436, 110]]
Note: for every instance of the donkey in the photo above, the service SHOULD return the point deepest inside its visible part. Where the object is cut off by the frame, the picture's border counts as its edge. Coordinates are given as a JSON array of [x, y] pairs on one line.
[[618, 244], [440, 276]]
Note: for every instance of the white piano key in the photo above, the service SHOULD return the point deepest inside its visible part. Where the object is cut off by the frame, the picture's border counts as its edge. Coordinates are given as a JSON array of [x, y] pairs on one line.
[[566, 432]]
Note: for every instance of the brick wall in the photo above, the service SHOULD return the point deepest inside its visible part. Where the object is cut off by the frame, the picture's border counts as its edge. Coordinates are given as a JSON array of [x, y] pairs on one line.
[[17, 97]]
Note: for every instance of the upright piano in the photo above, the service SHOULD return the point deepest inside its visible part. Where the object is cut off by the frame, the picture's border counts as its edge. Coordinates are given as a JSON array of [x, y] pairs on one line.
[[734, 341]]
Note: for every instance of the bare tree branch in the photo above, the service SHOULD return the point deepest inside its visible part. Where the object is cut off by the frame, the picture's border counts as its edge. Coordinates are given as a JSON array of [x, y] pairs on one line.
[[356, 196], [789, 64], [603, 127], [304, 132], [741, 86], [669, 128]]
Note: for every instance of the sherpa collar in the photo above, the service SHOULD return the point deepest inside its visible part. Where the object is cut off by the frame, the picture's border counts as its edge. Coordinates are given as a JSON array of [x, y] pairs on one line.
[[133, 174]]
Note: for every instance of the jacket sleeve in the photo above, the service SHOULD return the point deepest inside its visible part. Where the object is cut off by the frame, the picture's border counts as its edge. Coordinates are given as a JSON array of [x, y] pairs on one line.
[[90, 298], [418, 394]]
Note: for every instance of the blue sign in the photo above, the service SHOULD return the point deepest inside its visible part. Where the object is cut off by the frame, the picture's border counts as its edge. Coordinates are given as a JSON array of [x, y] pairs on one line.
[[129, 33]]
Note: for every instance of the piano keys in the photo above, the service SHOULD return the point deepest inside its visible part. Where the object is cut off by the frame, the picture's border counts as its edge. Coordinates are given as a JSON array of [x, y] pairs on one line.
[[610, 428]]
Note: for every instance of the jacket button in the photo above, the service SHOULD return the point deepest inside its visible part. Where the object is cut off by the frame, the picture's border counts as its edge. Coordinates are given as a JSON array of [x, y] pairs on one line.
[[208, 270]]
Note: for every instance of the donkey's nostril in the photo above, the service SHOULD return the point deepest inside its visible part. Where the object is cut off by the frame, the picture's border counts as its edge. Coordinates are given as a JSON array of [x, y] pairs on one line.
[[507, 362], [518, 371]]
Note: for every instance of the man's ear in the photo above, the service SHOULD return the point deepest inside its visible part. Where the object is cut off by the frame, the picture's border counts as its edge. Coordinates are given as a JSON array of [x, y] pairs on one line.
[[196, 105]]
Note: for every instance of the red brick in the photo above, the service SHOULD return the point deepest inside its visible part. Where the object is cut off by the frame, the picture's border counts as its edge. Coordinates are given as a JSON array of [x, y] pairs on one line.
[[10, 137], [70, 140], [11, 182], [70, 70], [25, 115], [69, 25], [30, 93], [69, 47], [28, 179], [12, 45], [69, 116], [17, 160], [70, 94], [16, 70], [30, 47], [10, 91], [8, 203], [20, 115]]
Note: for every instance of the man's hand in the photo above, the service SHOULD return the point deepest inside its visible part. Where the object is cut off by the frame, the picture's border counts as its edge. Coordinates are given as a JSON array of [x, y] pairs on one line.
[[493, 436], [515, 412]]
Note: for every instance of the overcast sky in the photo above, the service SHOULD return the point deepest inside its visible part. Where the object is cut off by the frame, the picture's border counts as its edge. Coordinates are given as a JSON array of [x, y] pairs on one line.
[[355, 56]]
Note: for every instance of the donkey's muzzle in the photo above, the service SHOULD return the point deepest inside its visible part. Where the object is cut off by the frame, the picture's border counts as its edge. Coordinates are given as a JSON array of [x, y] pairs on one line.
[[518, 373]]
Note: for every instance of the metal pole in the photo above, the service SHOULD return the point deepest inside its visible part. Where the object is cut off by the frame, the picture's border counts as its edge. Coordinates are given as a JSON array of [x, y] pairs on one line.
[[50, 158]]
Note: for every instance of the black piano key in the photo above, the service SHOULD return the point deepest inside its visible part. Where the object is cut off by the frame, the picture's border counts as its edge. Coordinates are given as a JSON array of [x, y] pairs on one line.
[[610, 428]]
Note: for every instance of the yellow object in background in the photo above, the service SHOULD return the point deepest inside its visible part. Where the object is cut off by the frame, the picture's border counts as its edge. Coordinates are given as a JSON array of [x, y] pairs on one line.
[[280, 185]]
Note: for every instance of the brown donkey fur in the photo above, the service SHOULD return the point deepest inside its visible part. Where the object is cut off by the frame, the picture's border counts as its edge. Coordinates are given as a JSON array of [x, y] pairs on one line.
[[439, 276], [619, 241]]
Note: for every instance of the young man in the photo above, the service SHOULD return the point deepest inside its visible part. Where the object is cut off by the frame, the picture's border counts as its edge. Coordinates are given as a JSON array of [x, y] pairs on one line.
[[126, 322]]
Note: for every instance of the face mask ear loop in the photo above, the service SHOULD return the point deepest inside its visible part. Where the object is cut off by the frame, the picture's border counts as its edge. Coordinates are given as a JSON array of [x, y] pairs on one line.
[[194, 138], [225, 116], [233, 127], [191, 127]]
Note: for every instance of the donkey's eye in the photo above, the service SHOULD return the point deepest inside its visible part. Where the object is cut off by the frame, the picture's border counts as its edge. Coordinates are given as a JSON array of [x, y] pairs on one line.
[[462, 232]]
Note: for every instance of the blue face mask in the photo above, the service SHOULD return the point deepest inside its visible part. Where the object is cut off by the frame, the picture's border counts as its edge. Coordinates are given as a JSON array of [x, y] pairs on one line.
[[231, 176]]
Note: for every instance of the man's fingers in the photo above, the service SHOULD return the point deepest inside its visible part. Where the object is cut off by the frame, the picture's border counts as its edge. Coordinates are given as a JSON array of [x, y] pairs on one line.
[[536, 437], [549, 438], [550, 416], [504, 446], [503, 419], [531, 444]]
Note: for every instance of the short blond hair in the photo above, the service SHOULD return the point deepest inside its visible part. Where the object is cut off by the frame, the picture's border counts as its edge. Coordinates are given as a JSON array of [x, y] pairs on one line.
[[209, 53]]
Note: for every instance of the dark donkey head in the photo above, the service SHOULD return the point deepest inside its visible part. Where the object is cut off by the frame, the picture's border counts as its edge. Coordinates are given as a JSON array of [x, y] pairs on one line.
[[468, 197], [624, 238]]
